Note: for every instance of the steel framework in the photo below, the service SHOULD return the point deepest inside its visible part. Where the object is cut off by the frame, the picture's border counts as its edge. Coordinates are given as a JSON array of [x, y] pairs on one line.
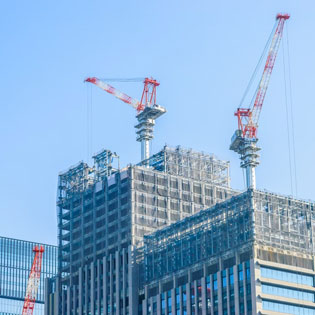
[[252, 218]]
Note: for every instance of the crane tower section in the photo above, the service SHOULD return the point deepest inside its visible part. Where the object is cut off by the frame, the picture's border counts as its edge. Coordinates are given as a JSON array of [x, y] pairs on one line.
[[147, 109], [245, 137], [33, 282]]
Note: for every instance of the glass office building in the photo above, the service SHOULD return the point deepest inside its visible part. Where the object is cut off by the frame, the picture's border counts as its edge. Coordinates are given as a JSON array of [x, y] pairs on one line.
[[16, 258]]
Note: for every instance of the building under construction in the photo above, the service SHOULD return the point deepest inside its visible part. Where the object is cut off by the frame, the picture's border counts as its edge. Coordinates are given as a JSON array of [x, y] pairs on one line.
[[169, 235], [103, 214], [251, 254]]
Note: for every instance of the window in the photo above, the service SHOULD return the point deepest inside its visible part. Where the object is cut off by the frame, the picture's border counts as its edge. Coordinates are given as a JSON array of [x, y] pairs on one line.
[[223, 275], [215, 293], [192, 298], [231, 291], [231, 276], [286, 292], [287, 308], [177, 300], [184, 297], [240, 273], [208, 285], [169, 302], [288, 276], [163, 304]]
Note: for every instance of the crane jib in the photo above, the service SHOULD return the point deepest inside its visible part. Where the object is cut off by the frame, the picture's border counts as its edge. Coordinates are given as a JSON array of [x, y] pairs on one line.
[[248, 122]]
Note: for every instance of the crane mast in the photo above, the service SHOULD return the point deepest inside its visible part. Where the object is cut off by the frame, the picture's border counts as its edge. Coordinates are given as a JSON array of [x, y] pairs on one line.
[[147, 110], [245, 137], [33, 282]]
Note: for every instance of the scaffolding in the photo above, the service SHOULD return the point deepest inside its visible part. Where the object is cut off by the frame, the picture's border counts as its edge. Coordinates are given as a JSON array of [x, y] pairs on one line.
[[282, 229], [81, 176], [190, 164], [94, 202]]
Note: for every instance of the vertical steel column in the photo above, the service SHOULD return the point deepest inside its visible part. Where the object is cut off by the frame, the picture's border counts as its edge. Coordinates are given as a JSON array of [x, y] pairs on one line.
[[80, 290], [92, 292], [99, 271], [124, 277], [253, 286], [118, 276], [68, 301], [203, 296], [220, 301], [111, 273], [105, 285], [86, 290], [236, 288], [75, 306], [188, 295]]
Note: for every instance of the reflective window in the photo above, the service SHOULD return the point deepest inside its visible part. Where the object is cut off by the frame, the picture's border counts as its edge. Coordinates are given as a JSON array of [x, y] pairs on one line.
[[169, 302], [192, 298], [215, 294], [287, 276], [177, 299], [231, 276], [287, 308], [163, 304], [231, 291], [286, 292], [184, 299], [208, 285]]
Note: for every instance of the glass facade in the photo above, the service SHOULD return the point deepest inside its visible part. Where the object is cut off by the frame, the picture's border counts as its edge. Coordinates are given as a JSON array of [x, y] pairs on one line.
[[16, 258], [287, 276], [275, 291], [241, 288], [287, 292], [213, 294], [231, 293], [287, 308]]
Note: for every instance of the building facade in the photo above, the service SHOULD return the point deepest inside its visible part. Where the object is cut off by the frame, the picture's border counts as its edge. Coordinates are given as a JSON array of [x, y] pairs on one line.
[[252, 254], [169, 236], [16, 258], [104, 213]]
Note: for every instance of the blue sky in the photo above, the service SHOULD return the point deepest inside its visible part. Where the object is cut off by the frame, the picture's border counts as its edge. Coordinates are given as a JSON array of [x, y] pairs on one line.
[[203, 53]]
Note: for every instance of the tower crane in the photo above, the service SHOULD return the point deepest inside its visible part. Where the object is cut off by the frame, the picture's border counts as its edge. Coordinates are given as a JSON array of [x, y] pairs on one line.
[[147, 109], [33, 282], [245, 137]]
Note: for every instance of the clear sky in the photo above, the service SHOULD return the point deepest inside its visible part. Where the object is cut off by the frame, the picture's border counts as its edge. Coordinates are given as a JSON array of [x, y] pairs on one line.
[[203, 52]]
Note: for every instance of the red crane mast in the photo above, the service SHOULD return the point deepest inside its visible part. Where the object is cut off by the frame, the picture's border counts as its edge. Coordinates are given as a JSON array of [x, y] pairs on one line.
[[33, 282]]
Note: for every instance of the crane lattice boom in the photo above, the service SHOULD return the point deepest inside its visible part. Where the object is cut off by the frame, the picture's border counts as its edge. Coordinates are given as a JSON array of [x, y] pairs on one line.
[[148, 95], [33, 282], [110, 89], [147, 109], [248, 118]]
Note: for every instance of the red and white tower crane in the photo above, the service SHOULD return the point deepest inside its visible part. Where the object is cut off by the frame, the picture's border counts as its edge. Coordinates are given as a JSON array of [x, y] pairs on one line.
[[245, 137], [147, 109], [33, 282]]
